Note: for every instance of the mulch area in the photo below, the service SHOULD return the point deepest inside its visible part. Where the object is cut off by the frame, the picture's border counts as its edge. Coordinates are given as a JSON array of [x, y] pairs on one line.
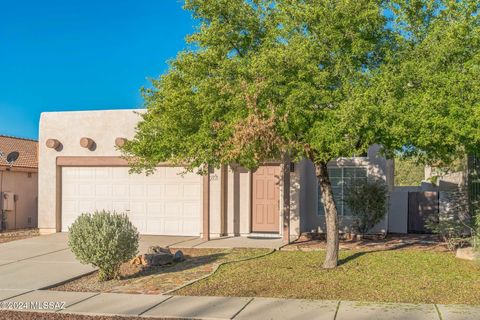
[[24, 315], [158, 280], [7, 236], [425, 242]]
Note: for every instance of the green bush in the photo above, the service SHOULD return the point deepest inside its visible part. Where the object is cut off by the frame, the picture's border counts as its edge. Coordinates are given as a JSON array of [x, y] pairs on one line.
[[105, 240], [367, 202]]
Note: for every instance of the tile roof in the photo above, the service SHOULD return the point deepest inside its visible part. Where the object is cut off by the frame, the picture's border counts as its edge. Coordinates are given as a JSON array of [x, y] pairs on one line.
[[27, 148]]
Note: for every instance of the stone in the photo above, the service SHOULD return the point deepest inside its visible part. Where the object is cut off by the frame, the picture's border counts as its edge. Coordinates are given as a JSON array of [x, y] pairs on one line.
[[137, 260], [158, 249], [178, 256], [467, 253], [157, 259]]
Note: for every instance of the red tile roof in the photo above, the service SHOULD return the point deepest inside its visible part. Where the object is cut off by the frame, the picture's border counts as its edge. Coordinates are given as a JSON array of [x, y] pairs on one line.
[[27, 148]]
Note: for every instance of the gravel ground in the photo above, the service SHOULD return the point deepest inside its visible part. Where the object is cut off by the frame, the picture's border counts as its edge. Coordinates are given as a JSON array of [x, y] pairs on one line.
[[157, 280], [424, 242], [23, 315], [13, 235]]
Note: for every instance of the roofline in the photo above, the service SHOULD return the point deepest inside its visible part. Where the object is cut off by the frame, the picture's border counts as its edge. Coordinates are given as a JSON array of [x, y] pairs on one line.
[[18, 138], [18, 168], [141, 109]]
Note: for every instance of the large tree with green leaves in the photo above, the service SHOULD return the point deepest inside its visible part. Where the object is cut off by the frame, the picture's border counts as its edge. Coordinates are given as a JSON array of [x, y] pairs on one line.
[[267, 77]]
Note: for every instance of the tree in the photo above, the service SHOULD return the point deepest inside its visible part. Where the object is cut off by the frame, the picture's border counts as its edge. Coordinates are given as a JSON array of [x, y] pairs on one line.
[[408, 172], [317, 79], [428, 89], [266, 78]]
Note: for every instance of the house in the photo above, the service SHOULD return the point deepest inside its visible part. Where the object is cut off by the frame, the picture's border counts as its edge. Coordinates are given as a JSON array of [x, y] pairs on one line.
[[19, 183], [81, 170]]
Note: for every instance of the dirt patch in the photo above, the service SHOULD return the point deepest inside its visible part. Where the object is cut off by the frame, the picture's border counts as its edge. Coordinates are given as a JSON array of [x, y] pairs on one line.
[[390, 242], [157, 280], [7, 236]]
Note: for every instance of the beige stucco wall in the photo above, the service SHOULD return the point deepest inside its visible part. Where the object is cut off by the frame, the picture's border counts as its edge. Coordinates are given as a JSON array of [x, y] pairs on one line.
[[377, 166], [24, 184], [103, 127]]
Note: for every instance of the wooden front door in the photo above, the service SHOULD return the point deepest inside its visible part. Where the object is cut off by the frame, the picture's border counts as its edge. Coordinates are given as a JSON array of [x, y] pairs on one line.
[[266, 199]]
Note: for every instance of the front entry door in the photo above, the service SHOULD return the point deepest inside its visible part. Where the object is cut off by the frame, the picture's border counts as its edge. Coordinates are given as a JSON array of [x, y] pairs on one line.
[[266, 199]]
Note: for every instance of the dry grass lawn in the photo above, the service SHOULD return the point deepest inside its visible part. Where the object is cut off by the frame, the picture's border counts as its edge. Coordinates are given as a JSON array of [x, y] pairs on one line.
[[415, 276]]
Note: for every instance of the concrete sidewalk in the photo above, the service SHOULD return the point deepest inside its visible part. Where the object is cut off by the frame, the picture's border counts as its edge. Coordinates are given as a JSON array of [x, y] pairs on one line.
[[160, 306]]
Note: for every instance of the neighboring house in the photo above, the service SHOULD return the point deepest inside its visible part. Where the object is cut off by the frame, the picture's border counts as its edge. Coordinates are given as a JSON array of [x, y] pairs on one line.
[[19, 183], [81, 170]]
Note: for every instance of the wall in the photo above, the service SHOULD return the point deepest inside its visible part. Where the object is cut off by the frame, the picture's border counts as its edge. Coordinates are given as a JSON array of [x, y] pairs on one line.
[[377, 166], [24, 184], [69, 127], [103, 127]]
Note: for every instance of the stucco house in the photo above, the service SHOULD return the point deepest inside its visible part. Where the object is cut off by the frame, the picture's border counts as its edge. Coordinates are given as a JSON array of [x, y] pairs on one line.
[[19, 183], [82, 170]]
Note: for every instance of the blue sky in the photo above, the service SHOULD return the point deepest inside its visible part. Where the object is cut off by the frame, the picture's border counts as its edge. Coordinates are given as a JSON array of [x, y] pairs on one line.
[[58, 55]]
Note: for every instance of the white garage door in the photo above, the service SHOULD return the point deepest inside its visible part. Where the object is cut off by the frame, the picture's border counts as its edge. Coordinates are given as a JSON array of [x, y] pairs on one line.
[[164, 203]]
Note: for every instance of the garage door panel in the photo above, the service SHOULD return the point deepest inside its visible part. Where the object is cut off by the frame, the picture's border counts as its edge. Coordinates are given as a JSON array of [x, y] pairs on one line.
[[120, 206], [137, 191], [85, 173], [102, 173], [121, 191], [70, 190], [155, 191], [120, 174], [161, 203], [86, 206], [190, 190], [173, 209], [154, 227], [190, 226], [101, 205], [103, 190], [155, 209], [191, 210], [86, 190], [172, 191]]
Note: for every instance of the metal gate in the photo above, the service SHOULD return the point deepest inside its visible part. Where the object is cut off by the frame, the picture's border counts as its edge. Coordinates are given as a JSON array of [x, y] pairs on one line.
[[421, 206], [474, 183]]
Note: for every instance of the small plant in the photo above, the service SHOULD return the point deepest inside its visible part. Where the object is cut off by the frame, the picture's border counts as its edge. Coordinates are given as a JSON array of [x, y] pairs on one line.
[[105, 240], [456, 231], [367, 202]]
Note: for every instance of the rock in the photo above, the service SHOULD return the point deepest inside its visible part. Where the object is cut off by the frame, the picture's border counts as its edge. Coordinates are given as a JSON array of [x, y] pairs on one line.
[[178, 256], [157, 249], [467, 253], [157, 259], [137, 260]]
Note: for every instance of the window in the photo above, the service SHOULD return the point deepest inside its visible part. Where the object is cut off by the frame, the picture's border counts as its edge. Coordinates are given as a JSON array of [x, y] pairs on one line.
[[340, 178]]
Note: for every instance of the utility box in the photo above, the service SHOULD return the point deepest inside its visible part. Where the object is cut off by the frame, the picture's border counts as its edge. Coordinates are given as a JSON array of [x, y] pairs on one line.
[[7, 201]]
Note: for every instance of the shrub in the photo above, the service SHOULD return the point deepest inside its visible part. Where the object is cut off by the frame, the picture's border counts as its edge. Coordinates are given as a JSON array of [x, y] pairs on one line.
[[367, 202], [105, 240]]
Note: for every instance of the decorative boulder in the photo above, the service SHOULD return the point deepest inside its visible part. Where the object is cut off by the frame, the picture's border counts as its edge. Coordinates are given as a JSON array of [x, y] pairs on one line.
[[178, 256], [467, 253], [137, 260], [158, 249], [157, 259]]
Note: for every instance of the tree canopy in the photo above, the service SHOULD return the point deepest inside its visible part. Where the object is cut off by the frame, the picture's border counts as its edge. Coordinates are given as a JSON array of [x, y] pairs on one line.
[[319, 79]]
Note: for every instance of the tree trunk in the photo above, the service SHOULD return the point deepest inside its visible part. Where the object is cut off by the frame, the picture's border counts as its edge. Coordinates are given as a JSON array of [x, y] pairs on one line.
[[331, 219]]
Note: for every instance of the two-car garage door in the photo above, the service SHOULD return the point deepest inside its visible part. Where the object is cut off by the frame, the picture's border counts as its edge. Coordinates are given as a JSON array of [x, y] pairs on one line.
[[164, 203]]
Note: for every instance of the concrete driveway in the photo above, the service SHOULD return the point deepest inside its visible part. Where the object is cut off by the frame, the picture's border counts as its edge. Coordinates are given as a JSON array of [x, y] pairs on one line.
[[45, 261]]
